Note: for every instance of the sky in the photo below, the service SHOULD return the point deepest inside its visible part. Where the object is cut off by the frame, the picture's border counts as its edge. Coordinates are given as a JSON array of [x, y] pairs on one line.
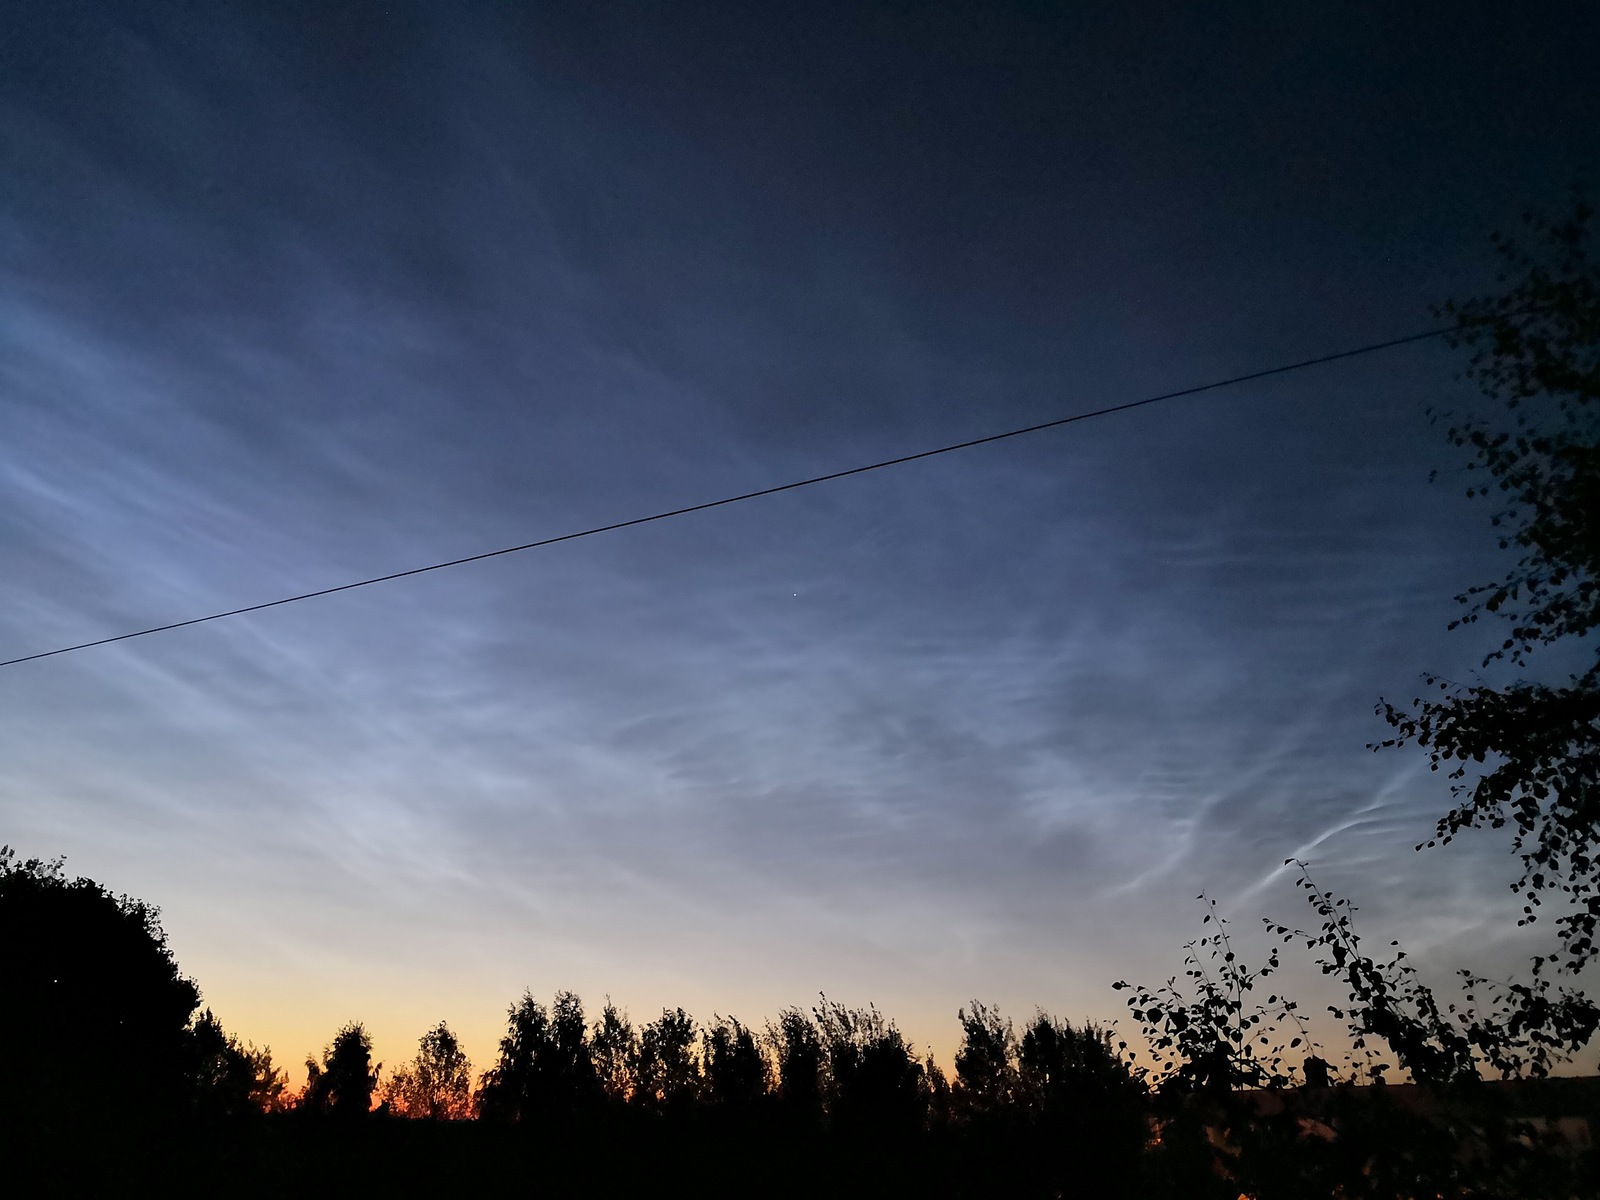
[[297, 294]]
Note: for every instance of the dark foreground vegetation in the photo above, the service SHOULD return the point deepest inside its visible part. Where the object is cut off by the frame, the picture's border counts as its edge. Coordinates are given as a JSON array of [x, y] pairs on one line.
[[115, 1081], [114, 1076]]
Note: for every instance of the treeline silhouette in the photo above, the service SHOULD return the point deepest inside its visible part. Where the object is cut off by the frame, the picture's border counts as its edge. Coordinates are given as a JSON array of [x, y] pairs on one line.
[[116, 1081], [115, 1076]]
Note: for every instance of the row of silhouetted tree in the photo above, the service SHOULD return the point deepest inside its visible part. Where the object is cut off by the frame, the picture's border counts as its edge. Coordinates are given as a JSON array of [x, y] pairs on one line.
[[106, 1054], [94, 1011], [830, 1067]]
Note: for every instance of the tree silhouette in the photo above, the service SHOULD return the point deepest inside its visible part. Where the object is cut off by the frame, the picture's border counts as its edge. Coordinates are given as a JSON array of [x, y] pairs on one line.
[[736, 1072], [1536, 349], [1073, 1070], [545, 1070], [437, 1084], [343, 1084], [797, 1045], [937, 1094], [667, 1069], [91, 1002], [268, 1092], [986, 1068], [1085, 1106], [875, 1081], [614, 1048], [231, 1078]]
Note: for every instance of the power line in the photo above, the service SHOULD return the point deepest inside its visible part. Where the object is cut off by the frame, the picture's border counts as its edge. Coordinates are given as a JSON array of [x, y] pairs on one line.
[[1372, 348]]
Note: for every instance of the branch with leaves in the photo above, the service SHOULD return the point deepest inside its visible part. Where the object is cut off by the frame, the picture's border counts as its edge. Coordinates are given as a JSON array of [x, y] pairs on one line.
[[1535, 349]]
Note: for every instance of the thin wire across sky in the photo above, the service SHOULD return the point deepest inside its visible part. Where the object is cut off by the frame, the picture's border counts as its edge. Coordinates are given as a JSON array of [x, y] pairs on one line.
[[1370, 348]]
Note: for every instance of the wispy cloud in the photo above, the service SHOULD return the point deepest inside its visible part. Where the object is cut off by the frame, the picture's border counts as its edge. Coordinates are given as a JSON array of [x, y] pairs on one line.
[[275, 320]]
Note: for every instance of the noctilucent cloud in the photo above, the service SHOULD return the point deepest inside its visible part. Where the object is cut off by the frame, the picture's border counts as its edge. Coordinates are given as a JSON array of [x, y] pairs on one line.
[[300, 294]]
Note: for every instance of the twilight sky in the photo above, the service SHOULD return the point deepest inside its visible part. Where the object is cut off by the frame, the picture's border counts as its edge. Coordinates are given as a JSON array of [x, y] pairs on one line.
[[293, 294]]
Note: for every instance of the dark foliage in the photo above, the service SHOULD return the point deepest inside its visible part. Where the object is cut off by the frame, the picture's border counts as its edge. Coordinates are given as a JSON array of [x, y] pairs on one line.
[[667, 1071], [736, 1074], [833, 1101], [545, 1071], [986, 1063], [1221, 1039], [94, 1013], [797, 1045], [231, 1079], [874, 1079], [1536, 349], [1518, 1030], [342, 1086], [1234, 1107], [1086, 1110], [437, 1084]]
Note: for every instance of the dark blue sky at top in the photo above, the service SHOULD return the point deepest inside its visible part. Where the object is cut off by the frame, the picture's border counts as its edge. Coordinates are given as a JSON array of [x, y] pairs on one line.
[[295, 294]]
